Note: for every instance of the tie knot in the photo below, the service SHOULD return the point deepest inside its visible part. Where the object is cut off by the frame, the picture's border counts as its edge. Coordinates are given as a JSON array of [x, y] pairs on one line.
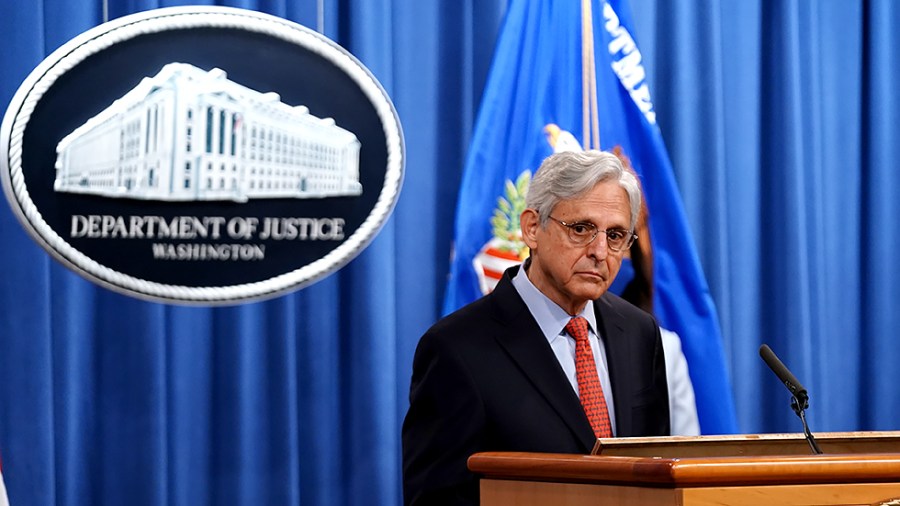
[[578, 328]]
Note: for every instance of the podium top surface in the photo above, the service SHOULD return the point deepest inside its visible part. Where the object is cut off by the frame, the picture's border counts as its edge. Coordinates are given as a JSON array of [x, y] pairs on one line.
[[689, 472], [709, 460], [748, 444]]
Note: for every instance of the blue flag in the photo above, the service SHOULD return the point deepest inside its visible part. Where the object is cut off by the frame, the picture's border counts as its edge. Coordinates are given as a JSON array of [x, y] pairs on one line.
[[557, 84]]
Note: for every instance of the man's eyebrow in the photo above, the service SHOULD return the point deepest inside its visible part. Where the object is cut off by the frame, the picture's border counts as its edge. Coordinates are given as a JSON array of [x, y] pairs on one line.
[[591, 223]]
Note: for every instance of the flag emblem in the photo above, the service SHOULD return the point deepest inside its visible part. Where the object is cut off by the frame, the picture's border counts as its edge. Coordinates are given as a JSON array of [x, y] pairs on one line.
[[506, 247]]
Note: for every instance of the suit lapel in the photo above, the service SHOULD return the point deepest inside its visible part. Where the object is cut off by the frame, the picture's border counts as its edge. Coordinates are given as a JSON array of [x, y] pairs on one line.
[[618, 351], [519, 334]]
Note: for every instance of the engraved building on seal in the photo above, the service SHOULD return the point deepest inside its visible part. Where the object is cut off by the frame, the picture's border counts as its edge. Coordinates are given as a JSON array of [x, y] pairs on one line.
[[188, 134]]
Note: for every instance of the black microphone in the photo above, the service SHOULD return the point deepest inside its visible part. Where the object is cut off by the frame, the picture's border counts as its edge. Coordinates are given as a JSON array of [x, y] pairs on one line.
[[799, 397], [789, 380]]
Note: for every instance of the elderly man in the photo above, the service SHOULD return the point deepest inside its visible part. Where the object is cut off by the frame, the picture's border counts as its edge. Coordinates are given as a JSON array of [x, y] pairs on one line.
[[549, 361]]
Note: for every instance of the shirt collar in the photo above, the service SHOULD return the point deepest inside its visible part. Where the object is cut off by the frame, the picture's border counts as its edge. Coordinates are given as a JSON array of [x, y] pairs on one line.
[[551, 318]]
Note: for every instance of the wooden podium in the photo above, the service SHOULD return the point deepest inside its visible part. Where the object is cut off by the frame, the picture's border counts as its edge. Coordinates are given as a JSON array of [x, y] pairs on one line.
[[857, 468]]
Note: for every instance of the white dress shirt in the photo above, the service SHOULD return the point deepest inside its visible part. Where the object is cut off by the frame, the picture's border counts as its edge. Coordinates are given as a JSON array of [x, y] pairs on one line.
[[552, 320]]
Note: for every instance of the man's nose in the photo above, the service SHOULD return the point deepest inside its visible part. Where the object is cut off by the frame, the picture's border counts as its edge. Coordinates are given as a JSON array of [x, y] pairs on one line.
[[598, 248]]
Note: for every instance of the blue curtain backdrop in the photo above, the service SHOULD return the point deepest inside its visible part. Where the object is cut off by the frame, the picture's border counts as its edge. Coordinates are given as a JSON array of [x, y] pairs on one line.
[[779, 118]]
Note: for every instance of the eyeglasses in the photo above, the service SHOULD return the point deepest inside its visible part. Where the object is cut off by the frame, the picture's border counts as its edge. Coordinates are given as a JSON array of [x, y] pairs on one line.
[[583, 233]]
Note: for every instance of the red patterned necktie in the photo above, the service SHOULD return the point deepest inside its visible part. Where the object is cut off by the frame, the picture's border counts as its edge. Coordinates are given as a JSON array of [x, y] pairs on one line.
[[589, 390]]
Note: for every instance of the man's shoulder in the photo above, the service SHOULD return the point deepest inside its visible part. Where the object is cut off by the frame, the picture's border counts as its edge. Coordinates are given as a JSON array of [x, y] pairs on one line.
[[472, 315], [493, 308], [612, 303]]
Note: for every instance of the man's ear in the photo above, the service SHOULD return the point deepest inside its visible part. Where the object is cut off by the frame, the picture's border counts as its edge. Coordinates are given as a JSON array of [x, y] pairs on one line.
[[530, 222]]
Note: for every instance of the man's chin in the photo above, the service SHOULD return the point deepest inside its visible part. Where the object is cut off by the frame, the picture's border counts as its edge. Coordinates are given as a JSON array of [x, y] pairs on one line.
[[592, 291]]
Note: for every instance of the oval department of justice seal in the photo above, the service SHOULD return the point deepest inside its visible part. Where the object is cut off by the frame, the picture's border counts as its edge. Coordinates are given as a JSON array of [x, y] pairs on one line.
[[202, 155]]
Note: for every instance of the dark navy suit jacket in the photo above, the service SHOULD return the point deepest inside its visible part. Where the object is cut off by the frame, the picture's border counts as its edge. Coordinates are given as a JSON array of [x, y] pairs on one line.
[[485, 379]]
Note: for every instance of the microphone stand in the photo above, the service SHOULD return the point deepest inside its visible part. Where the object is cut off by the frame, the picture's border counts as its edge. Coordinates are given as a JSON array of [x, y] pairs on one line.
[[796, 406]]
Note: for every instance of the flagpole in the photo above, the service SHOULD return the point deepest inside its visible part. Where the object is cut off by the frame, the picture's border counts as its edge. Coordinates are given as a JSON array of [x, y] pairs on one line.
[[589, 103], [594, 106], [585, 76]]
